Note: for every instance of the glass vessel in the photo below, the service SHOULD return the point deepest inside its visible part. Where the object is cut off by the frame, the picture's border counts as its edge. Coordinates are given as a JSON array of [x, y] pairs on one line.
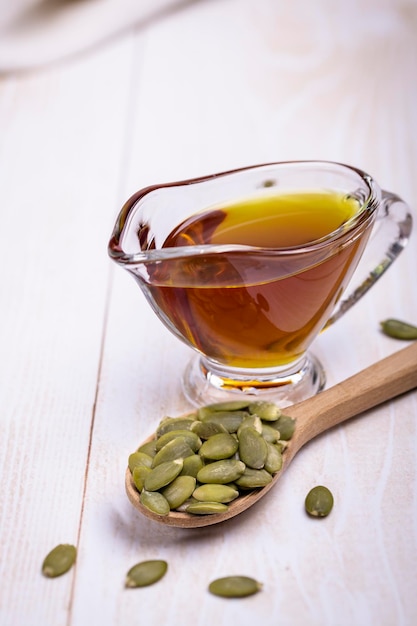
[[248, 266]]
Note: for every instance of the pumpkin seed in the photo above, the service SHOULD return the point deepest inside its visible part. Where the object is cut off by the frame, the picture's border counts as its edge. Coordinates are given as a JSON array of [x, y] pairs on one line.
[[139, 458], [398, 329], [254, 478], [231, 420], [319, 501], [205, 430], [178, 448], [59, 560], [155, 502], [139, 474], [273, 462], [267, 411], [220, 446], [270, 434], [252, 421], [148, 448], [162, 475], [189, 436], [146, 573], [215, 493], [221, 472], [286, 425], [252, 448], [206, 508], [175, 423], [234, 586], [233, 405], [191, 465], [179, 490]]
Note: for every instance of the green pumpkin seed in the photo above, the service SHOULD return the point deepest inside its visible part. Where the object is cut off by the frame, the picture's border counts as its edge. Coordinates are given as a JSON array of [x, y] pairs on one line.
[[234, 586], [252, 448], [234, 405], [215, 493], [220, 446], [179, 490], [191, 465], [146, 573], [399, 330], [319, 501], [178, 448], [148, 448], [59, 560], [139, 458], [189, 436], [273, 462], [252, 421], [163, 474], [286, 425], [155, 502], [270, 434], [206, 508], [175, 423], [205, 430], [139, 474], [231, 420], [267, 411], [221, 472], [254, 478]]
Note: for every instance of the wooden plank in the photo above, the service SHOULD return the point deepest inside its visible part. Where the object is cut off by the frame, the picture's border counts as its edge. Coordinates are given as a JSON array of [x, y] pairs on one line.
[[59, 181]]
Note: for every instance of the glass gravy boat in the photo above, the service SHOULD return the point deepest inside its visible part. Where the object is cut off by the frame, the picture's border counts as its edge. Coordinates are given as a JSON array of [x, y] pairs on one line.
[[248, 266]]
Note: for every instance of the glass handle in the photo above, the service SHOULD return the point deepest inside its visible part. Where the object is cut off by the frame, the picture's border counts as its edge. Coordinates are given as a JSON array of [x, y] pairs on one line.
[[389, 237]]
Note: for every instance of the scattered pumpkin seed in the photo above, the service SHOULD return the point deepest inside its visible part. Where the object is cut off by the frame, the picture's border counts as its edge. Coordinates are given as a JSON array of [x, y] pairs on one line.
[[234, 586], [319, 501], [146, 573], [59, 560], [398, 329], [163, 474], [206, 508], [155, 502]]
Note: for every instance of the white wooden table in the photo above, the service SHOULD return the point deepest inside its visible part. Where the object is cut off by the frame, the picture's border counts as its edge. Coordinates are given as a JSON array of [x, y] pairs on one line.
[[87, 370]]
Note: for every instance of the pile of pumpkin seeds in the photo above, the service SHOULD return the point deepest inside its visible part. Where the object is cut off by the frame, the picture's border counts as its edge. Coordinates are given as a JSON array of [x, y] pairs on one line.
[[201, 462]]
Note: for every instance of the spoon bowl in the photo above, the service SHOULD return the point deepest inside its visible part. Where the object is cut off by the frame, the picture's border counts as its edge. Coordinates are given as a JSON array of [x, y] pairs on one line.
[[382, 381]]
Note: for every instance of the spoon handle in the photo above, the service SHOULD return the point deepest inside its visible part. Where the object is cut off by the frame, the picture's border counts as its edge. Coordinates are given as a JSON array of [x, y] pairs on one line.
[[386, 379]]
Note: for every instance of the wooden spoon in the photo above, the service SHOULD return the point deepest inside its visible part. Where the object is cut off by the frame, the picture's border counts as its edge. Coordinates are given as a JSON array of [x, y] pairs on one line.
[[372, 386]]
